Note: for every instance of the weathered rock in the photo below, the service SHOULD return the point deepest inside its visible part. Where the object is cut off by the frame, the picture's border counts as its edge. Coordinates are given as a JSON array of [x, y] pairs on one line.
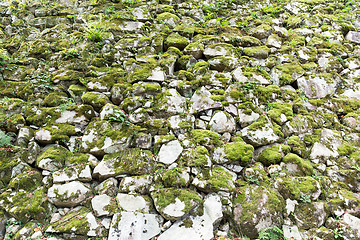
[[170, 152], [68, 194], [353, 37], [80, 221], [222, 122], [104, 205], [261, 133], [201, 101], [257, 208], [127, 225], [132, 161], [80, 172], [172, 204], [172, 102], [102, 137], [319, 86], [310, 215], [133, 203], [197, 226]]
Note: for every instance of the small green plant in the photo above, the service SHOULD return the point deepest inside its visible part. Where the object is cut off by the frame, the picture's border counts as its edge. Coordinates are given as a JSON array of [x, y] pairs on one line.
[[338, 233], [4, 59], [269, 106], [95, 32], [5, 140], [356, 167], [271, 233], [253, 179], [63, 107], [69, 53], [244, 26], [41, 82], [305, 198], [302, 96], [120, 116]]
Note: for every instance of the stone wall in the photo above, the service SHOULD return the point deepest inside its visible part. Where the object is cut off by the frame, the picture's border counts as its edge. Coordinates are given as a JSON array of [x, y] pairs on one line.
[[167, 119]]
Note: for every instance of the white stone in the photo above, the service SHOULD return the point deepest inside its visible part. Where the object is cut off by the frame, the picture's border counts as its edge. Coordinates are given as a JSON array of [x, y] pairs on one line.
[[99, 203], [291, 232], [69, 194], [175, 103], [317, 87], [353, 223], [202, 226], [132, 203], [261, 136], [43, 135], [247, 119], [221, 122], [157, 75], [201, 101], [134, 226], [104, 169], [170, 152], [175, 210], [353, 37]]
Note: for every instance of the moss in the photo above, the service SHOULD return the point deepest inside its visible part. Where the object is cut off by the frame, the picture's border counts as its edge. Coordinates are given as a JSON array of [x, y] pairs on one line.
[[265, 94], [94, 99], [25, 205], [217, 179], [250, 71], [74, 221], [273, 155], [288, 71], [305, 166], [257, 52], [55, 99], [57, 154], [39, 117], [198, 157], [183, 62], [177, 41], [252, 202], [194, 46], [11, 123], [298, 187], [345, 149], [310, 139], [133, 161], [248, 41], [59, 132], [119, 134], [206, 138], [8, 161], [297, 146], [239, 152], [165, 197], [28, 180], [188, 223], [279, 109], [170, 19], [173, 178]]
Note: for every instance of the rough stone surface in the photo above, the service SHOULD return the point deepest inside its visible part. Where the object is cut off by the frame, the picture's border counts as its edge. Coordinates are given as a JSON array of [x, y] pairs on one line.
[[129, 225]]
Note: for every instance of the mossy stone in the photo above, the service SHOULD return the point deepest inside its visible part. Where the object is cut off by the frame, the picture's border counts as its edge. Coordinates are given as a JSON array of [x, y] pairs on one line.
[[95, 99], [260, 52], [207, 138], [176, 40], [273, 154], [164, 197], [304, 165], [239, 152]]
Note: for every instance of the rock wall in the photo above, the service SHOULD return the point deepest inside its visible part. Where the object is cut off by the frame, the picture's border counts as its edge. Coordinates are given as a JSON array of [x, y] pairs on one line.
[[131, 119]]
